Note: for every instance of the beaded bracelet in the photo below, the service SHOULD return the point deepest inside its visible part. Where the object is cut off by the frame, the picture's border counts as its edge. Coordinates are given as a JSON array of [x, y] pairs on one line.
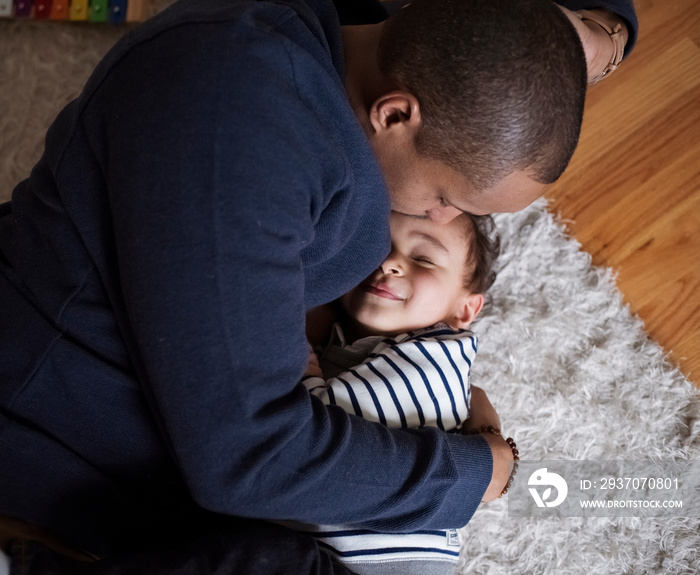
[[511, 444]]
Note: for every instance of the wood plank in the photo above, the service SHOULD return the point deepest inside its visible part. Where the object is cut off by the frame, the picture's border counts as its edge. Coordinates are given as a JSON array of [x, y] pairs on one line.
[[659, 178], [631, 195]]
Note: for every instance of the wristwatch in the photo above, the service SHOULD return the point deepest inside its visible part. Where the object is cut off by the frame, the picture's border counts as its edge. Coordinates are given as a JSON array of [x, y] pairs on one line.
[[613, 27]]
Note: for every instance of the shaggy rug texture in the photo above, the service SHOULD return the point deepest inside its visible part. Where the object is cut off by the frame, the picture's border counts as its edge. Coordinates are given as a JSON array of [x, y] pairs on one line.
[[574, 376], [570, 371]]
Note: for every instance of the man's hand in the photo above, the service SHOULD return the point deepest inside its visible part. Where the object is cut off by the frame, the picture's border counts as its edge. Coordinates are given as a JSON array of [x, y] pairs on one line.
[[597, 45]]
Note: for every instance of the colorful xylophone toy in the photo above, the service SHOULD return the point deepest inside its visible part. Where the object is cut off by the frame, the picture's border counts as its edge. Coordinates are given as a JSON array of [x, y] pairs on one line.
[[112, 11]]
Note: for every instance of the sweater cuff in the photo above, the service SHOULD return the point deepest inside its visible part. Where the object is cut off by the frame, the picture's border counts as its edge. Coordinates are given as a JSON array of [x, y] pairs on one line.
[[474, 463]]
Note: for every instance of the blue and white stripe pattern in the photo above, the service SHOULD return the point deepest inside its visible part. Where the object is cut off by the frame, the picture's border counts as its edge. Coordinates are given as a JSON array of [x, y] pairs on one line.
[[413, 380], [349, 545]]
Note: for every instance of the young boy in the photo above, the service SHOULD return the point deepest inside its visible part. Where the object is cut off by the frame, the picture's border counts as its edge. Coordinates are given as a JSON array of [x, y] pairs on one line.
[[399, 354]]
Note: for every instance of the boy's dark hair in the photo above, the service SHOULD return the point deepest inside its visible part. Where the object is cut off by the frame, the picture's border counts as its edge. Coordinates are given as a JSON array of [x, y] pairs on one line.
[[501, 84], [484, 249]]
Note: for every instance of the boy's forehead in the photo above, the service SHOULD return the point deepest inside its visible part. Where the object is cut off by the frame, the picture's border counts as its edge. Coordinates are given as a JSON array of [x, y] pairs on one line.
[[442, 235]]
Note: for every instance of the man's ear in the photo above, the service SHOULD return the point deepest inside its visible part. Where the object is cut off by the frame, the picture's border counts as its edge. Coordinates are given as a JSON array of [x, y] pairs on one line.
[[398, 108], [468, 309]]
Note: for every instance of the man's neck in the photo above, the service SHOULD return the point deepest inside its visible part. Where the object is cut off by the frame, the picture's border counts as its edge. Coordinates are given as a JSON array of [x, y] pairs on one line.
[[364, 83]]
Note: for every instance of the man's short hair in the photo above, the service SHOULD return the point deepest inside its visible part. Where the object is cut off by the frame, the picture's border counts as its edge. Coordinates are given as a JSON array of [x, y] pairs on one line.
[[501, 84]]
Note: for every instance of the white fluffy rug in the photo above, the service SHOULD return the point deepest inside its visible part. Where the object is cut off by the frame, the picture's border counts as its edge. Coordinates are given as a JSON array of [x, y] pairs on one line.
[[574, 376], [571, 373]]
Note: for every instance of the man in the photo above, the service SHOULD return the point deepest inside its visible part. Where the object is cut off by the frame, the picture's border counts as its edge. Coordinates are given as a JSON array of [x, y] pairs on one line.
[[212, 183]]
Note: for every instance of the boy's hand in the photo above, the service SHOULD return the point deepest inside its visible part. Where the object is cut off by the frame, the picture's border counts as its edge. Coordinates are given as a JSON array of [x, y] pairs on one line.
[[313, 369], [481, 412]]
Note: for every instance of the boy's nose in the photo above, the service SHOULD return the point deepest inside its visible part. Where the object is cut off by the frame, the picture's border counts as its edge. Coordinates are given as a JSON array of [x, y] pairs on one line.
[[391, 267], [443, 214]]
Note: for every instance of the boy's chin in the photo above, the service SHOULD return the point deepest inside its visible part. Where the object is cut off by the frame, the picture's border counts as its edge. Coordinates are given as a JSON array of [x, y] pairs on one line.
[[372, 327], [383, 328]]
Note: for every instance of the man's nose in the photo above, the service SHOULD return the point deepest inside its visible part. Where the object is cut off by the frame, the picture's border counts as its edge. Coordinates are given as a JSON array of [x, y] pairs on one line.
[[443, 214]]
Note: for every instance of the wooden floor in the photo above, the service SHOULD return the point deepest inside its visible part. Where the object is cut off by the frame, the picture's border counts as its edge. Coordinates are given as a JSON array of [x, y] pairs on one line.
[[632, 191]]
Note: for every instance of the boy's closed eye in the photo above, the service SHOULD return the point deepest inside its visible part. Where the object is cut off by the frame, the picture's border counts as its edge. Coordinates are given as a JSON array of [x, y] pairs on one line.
[[424, 260]]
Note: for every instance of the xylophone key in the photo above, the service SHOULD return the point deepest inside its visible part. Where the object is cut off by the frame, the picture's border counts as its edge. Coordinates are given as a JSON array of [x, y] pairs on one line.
[[42, 9], [5, 8], [98, 11], [78, 10], [117, 11], [135, 11], [23, 8], [59, 10]]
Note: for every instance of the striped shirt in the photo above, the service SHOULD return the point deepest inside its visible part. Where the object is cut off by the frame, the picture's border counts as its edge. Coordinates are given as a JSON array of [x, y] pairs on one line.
[[413, 380]]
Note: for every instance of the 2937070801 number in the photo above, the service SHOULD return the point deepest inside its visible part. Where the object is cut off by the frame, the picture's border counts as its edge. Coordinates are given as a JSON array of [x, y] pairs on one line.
[[639, 483]]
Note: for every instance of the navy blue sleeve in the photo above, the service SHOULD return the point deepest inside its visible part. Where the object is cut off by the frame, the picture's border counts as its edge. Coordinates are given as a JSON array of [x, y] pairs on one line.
[[210, 221]]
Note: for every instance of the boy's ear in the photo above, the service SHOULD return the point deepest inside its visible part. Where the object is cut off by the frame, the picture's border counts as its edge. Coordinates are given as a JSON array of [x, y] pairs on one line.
[[468, 309], [398, 108]]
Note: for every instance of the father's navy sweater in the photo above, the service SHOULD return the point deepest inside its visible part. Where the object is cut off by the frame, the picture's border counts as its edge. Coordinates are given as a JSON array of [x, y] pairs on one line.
[[208, 187]]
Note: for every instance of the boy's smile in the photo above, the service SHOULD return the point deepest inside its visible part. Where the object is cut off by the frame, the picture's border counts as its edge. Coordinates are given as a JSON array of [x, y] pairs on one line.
[[382, 289]]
